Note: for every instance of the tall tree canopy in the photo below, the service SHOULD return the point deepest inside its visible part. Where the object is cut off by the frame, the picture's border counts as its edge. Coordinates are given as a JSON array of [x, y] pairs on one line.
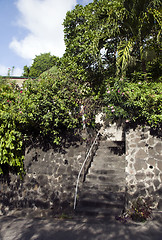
[[112, 37], [41, 63], [115, 46]]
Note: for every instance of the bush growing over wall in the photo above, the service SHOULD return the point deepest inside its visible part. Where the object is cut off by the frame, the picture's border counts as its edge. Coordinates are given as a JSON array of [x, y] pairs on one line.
[[134, 101], [11, 139], [48, 106]]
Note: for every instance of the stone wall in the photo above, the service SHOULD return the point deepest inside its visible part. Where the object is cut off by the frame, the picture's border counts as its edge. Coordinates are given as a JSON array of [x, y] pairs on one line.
[[51, 174], [49, 182], [144, 164]]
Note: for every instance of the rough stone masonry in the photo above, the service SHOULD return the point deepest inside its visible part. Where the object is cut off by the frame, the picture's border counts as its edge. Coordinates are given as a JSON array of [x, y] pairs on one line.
[[49, 183], [144, 164], [51, 173]]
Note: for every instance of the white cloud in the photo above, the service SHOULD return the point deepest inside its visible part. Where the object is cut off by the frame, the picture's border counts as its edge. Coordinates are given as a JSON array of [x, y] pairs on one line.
[[43, 19], [17, 72], [4, 71]]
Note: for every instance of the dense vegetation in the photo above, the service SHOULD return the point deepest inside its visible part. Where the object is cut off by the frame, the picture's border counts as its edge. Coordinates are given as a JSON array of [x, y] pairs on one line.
[[46, 107], [41, 63], [112, 59], [117, 50]]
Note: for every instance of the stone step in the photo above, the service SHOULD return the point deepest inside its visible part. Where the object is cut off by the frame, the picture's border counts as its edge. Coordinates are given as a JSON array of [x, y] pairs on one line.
[[106, 154], [107, 144], [103, 191], [108, 158], [92, 178], [105, 172], [105, 187], [109, 152], [115, 197], [97, 203], [99, 213], [117, 148], [97, 165]]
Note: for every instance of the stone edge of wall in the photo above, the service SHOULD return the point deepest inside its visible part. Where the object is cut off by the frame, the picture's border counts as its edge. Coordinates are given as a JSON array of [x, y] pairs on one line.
[[144, 164]]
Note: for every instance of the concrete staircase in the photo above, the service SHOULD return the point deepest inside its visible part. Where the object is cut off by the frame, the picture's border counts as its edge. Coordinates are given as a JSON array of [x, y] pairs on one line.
[[103, 191]]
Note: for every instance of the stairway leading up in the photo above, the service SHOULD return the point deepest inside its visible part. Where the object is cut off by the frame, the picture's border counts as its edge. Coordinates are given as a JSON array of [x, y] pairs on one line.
[[103, 192]]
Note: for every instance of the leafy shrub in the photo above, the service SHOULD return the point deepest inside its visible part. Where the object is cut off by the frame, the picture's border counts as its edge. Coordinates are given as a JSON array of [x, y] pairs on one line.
[[140, 211], [11, 139], [3, 81], [134, 101], [48, 106]]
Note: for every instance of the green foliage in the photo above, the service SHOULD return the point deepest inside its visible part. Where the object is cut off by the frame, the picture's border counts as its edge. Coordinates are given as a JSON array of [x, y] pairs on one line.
[[40, 64], [52, 71], [3, 81], [134, 101], [104, 38], [44, 107], [140, 210], [80, 59], [47, 105], [140, 27], [11, 139], [26, 71], [109, 44]]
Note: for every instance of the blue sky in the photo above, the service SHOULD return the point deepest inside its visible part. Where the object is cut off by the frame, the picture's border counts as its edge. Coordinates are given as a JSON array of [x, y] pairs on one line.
[[29, 28]]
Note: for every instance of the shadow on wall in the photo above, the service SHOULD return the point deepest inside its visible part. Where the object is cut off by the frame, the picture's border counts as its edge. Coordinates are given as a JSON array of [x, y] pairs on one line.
[[119, 148], [155, 132], [50, 179]]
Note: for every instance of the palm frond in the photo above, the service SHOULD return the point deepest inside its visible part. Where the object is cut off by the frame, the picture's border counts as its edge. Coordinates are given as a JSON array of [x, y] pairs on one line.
[[158, 17], [124, 57]]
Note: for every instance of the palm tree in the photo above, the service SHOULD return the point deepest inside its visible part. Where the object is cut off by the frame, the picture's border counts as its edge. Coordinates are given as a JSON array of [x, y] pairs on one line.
[[140, 25]]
